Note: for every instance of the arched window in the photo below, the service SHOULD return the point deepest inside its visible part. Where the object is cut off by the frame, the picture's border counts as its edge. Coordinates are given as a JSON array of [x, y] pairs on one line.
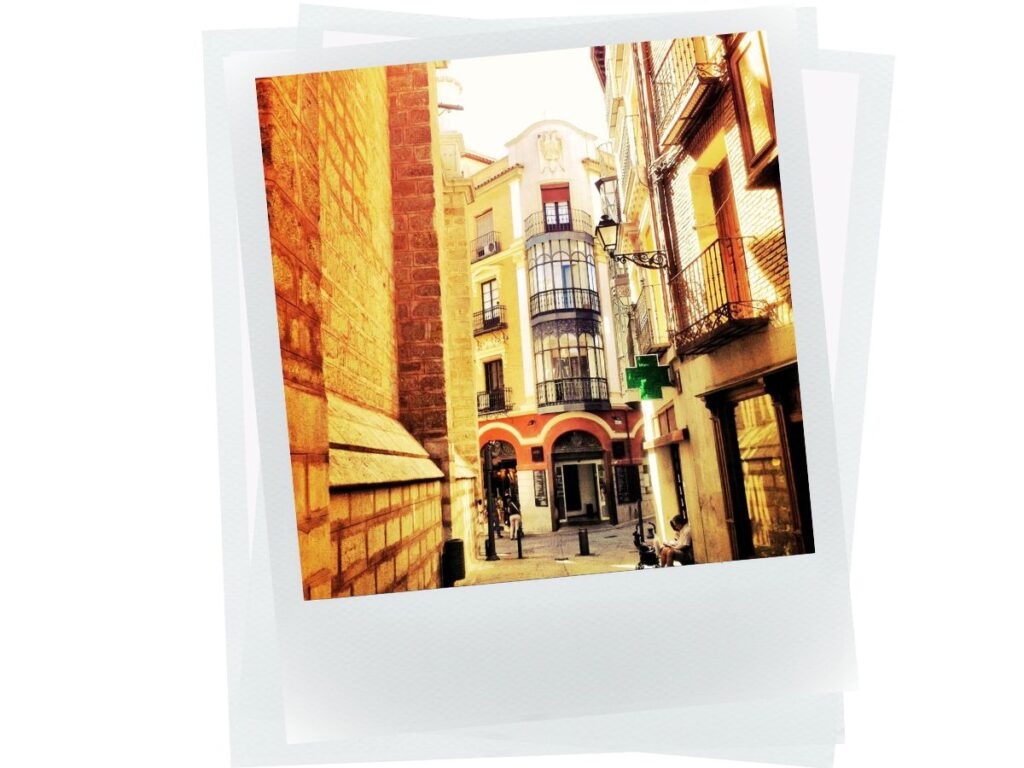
[[569, 362]]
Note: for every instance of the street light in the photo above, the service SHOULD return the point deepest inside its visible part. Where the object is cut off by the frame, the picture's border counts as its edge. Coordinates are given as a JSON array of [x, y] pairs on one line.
[[607, 235], [492, 552]]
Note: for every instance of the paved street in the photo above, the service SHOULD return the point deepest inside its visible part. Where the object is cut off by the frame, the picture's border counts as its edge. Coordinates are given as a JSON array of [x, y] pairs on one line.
[[547, 555]]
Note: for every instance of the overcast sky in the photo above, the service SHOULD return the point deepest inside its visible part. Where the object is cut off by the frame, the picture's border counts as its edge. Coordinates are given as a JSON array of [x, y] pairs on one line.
[[502, 95]]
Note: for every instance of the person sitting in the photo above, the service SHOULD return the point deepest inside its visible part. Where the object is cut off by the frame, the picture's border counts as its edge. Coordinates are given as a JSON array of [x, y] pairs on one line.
[[679, 550]]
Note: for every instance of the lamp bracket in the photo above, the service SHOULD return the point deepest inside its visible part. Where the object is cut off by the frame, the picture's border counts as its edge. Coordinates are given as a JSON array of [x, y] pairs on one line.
[[645, 259]]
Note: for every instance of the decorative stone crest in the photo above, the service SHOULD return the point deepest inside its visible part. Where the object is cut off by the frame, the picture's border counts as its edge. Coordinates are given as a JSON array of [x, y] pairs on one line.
[[550, 146]]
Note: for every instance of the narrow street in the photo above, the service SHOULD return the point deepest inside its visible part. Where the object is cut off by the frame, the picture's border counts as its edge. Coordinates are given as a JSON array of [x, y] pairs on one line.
[[547, 555]]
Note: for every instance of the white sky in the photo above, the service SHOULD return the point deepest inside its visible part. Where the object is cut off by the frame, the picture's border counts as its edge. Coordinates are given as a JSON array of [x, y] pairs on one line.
[[502, 95]]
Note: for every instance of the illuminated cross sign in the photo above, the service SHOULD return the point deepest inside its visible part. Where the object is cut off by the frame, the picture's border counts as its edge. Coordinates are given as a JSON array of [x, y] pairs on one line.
[[648, 377]]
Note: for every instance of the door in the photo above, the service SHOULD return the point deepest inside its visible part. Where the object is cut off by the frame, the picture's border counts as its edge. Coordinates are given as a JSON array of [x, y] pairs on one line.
[[489, 302], [730, 271], [494, 378], [571, 489], [602, 492], [556, 208]]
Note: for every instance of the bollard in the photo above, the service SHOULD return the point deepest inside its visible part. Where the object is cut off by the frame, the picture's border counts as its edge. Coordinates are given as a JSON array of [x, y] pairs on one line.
[[490, 551], [584, 542], [453, 562], [519, 541]]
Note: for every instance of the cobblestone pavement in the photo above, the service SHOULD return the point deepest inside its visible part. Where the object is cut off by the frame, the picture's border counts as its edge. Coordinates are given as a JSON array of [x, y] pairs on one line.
[[547, 555]]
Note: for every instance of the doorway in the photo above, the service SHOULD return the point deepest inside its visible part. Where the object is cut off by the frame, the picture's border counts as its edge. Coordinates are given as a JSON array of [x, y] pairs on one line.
[[732, 262], [580, 492]]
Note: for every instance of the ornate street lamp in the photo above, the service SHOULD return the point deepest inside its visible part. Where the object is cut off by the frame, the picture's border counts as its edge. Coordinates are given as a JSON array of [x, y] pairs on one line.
[[607, 235]]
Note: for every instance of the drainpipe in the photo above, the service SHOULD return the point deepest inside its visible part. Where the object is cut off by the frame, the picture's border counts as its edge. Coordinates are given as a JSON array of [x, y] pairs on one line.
[[663, 237]]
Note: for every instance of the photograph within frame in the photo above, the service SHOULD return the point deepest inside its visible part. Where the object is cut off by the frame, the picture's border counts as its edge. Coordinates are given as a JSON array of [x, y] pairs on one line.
[[602, 317]]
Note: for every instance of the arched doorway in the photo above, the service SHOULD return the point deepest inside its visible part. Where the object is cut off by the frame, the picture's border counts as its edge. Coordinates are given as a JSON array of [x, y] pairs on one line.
[[503, 467], [581, 488]]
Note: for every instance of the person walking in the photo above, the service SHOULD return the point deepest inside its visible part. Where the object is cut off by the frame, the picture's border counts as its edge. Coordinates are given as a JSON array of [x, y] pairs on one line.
[[515, 519]]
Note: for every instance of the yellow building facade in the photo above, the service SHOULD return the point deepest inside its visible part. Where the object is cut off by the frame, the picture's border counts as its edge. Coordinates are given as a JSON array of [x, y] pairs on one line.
[[696, 176], [550, 397]]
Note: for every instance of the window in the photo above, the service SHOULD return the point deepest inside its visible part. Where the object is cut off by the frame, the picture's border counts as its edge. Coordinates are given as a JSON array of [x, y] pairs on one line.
[[485, 223], [667, 421], [486, 241], [562, 276], [489, 302], [752, 91], [556, 208], [569, 360], [494, 376], [677, 474]]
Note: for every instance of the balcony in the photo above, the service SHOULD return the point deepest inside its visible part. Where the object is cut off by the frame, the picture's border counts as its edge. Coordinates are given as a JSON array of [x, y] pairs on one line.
[[490, 319], [649, 338], [683, 82], [560, 391], [564, 299], [566, 220], [486, 245], [712, 293], [494, 401]]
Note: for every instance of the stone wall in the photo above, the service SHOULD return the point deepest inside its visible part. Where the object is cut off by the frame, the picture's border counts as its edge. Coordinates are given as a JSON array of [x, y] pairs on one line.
[[354, 208]]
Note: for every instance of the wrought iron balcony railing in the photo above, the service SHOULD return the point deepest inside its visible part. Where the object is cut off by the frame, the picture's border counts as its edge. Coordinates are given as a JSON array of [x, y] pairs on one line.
[[490, 319], [486, 245], [649, 338], [577, 390], [560, 299], [494, 401], [561, 220], [712, 295], [681, 84]]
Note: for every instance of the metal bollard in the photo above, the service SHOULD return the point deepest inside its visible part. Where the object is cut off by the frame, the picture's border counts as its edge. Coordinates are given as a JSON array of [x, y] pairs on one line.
[[584, 542], [519, 541]]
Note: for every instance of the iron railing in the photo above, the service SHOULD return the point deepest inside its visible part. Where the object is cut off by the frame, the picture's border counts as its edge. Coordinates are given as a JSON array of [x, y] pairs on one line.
[[560, 299], [678, 79], [486, 245], [564, 220], [712, 294], [490, 319], [648, 340], [494, 401], [577, 390]]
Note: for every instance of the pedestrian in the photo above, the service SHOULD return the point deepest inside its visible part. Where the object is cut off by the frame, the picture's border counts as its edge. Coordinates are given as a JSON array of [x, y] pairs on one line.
[[515, 519], [679, 550]]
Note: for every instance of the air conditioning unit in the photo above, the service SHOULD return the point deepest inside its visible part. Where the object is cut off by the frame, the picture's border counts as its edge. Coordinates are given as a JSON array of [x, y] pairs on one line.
[[490, 248]]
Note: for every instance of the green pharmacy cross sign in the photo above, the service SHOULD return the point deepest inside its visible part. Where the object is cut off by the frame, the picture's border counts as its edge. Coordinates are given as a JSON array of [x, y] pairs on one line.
[[648, 377]]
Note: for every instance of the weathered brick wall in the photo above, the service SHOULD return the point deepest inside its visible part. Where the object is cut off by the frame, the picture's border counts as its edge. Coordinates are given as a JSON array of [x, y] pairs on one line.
[[417, 268], [327, 148], [436, 399], [290, 124], [358, 289], [759, 208]]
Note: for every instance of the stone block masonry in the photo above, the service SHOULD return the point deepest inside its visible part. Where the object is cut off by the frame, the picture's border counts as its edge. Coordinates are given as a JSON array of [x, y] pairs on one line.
[[355, 208]]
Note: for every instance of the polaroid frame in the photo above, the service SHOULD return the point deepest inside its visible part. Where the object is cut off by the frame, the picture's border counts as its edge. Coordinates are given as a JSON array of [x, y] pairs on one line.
[[218, 44]]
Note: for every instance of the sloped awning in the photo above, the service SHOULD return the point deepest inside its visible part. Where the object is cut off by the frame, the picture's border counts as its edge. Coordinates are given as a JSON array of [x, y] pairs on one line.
[[370, 448]]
